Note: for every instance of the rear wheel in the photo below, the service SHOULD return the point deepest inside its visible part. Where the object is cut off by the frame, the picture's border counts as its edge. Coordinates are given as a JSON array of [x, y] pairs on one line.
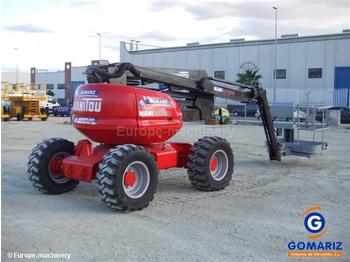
[[210, 164], [44, 166], [127, 178]]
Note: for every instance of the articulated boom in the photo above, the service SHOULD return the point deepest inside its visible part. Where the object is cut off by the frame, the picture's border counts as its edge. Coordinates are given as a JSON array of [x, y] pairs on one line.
[[192, 89]]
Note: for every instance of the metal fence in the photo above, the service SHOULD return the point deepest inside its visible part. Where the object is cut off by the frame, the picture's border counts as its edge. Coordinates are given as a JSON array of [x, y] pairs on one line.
[[319, 97]]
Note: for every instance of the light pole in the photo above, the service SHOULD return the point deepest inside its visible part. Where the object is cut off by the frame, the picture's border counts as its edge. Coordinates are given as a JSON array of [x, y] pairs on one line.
[[274, 58], [16, 49], [132, 42], [99, 46]]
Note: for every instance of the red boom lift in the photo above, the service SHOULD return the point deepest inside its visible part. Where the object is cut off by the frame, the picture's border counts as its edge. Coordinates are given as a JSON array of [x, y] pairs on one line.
[[132, 124]]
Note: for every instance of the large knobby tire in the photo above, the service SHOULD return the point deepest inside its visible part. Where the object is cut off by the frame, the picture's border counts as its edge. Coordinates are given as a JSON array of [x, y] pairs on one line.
[[43, 166], [127, 178], [210, 164]]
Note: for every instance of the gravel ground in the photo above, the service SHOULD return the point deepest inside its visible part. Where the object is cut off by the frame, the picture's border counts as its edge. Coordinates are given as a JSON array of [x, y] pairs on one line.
[[253, 219]]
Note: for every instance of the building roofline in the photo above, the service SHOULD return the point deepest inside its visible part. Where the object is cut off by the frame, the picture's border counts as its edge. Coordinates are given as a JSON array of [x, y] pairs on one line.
[[50, 72], [61, 71], [297, 39]]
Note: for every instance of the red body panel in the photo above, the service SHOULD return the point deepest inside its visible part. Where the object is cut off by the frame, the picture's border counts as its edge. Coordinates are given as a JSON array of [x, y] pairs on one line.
[[84, 164], [164, 154], [115, 114]]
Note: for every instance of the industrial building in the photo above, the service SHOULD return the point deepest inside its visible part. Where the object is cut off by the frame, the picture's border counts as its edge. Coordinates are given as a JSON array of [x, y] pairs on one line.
[[62, 83], [309, 69], [314, 69]]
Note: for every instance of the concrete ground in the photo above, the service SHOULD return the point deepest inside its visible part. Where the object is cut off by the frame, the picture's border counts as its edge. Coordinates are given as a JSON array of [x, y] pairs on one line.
[[253, 219]]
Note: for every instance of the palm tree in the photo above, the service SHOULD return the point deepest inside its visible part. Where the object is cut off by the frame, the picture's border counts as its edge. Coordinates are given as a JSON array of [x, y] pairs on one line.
[[249, 77]]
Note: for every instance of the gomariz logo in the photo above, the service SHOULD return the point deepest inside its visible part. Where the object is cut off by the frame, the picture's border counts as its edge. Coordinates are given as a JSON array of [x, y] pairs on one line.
[[154, 101], [315, 224], [89, 92]]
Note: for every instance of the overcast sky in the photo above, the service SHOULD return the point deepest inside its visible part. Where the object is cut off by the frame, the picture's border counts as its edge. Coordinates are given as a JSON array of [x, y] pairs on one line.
[[49, 32]]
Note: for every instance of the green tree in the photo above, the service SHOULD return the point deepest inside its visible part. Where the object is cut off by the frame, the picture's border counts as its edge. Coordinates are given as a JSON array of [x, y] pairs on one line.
[[50, 93], [249, 77]]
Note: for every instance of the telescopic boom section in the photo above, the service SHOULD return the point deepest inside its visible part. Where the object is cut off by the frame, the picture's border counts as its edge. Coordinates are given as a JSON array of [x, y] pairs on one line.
[[192, 89]]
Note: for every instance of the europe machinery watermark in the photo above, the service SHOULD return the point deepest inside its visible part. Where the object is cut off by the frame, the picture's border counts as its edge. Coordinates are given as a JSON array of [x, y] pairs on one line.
[[50, 255]]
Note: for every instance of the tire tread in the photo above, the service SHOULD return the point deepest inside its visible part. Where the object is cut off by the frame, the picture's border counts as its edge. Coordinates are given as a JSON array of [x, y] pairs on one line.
[[106, 176], [33, 165], [196, 163]]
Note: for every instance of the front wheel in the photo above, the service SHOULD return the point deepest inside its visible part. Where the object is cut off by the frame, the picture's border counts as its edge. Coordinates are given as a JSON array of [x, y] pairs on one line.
[[210, 164], [44, 166], [127, 178]]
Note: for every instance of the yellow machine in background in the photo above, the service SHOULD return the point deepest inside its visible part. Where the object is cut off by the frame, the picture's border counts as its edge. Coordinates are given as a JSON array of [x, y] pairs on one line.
[[5, 102], [220, 115], [22, 101]]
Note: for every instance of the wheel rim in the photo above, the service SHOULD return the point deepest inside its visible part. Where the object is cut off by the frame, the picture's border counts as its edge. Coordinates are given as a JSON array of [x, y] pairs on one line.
[[218, 165], [136, 179], [55, 171]]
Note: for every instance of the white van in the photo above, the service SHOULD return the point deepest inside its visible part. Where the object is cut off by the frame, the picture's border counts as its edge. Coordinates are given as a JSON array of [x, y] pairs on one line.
[[49, 104]]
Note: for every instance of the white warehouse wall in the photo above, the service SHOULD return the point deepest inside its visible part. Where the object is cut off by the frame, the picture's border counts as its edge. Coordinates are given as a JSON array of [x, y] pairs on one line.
[[54, 78]]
